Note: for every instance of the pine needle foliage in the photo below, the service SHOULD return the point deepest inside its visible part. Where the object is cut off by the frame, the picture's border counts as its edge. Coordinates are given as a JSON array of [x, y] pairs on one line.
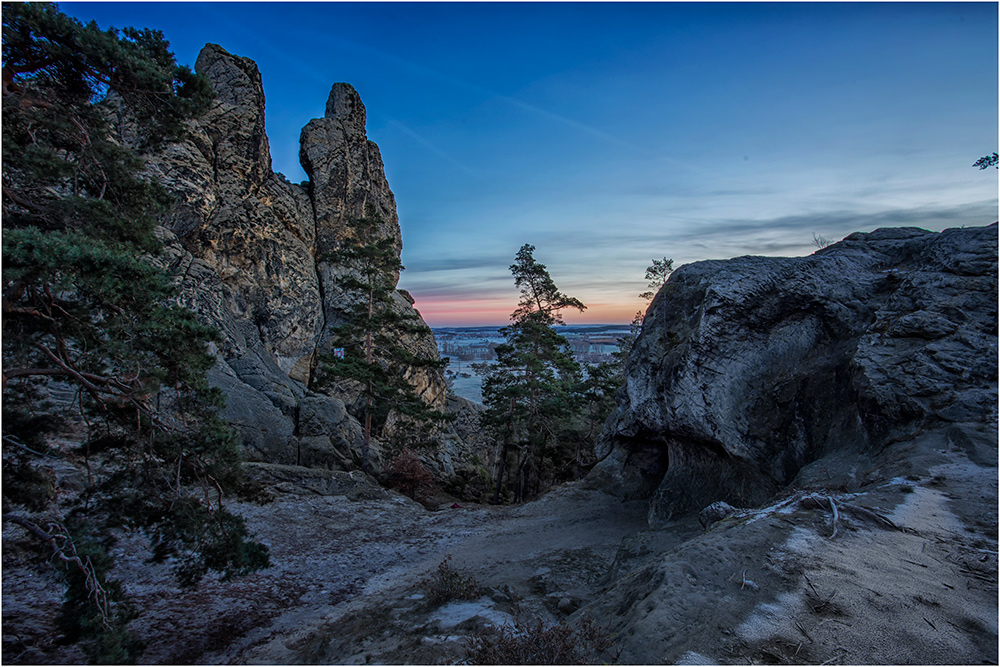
[[532, 393], [988, 161], [84, 308], [370, 333]]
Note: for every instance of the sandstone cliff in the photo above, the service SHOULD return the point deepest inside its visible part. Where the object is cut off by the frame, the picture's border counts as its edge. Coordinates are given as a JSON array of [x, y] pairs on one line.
[[750, 369], [250, 248]]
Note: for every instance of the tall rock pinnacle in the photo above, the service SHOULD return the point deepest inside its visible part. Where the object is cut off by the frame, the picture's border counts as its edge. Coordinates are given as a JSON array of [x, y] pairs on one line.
[[345, 170], [252, 250]]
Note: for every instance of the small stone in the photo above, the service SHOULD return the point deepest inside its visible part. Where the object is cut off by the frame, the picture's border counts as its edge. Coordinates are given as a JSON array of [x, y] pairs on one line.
[[568, 605], [715, 512]]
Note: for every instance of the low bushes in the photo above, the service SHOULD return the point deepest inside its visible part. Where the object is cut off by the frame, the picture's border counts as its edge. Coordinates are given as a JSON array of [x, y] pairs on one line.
[[408, 475], [449, 584], [535, 642]]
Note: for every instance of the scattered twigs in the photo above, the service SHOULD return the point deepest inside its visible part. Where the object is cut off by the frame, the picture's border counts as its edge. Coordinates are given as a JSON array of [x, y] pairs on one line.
[[969, 572], [826, 502], [811, 584], [823, 604], [836, 657], [833, 506], [13, 440]]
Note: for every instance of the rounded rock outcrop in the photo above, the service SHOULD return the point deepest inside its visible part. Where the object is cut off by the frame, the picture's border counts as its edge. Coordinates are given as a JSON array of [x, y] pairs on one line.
[[749, 369]]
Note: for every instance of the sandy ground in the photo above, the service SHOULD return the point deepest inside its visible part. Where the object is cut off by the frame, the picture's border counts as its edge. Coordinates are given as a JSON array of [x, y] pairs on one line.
[[773, 585], [786, 585]]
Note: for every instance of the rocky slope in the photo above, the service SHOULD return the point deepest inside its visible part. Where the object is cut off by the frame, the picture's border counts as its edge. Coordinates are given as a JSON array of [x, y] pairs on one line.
[[251, 250], [750, 369]]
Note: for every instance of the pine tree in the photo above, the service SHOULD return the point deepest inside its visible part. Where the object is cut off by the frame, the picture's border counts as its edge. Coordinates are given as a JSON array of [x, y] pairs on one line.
[[84, 309], [532, 391], [367, 349], [656, 276], [988, 161]]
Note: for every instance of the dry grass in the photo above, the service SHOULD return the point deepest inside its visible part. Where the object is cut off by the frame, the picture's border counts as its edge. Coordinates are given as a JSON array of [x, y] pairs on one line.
[[449, 584], [535, 642]]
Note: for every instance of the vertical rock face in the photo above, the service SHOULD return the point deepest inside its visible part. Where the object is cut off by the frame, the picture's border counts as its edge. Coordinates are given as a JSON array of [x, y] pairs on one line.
[[749, 369], [254, 231], [250, 249], [347, 180], [345, 170]]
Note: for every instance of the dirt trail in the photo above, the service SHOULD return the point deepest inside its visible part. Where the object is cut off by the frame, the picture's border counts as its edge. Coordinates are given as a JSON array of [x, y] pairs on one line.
[[790, 584], [557, 547], [334, 556]]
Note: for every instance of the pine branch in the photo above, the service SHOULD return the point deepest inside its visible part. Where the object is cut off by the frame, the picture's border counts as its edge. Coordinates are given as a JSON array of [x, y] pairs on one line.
[[64, 549]]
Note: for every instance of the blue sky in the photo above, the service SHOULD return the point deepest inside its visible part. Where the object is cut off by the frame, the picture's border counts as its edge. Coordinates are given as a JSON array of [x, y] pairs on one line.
[[610, 134]]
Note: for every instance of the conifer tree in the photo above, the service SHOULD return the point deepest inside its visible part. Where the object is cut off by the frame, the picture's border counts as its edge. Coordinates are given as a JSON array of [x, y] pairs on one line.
[[367, 342], [84, 312], [988, 161], [656, 276], [531, 393]]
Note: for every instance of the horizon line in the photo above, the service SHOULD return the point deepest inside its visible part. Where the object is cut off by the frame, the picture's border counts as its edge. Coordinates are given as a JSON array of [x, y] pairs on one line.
[[500, 326]]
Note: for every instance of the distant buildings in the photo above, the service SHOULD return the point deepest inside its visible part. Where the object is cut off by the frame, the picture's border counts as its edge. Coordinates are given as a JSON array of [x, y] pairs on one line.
[[480, 345], [483, 350], [590, 345]]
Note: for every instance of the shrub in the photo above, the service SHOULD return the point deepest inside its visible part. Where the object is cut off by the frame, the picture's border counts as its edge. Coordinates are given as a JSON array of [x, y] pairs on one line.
[[408, 475], [535, 642], [449, 584]]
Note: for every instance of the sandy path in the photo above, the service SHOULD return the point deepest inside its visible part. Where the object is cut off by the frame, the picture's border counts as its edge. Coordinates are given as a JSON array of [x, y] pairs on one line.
[[323, 544], [777, 586]]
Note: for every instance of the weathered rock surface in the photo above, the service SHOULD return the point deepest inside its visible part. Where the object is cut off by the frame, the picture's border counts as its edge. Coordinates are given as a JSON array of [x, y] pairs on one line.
[[345, 171], [252, 254], [749, 369]]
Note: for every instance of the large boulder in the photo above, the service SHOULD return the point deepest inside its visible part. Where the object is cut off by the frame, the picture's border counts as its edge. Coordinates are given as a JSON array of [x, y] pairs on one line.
[[749, 369]]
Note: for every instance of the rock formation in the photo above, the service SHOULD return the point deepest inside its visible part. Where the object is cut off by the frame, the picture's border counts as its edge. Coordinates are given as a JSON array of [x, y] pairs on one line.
[[862, 379], [251, 252], [749, 369]]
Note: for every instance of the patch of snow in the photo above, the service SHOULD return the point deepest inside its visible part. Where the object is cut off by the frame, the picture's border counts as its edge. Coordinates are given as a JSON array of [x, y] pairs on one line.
[[926, 510], [693, 658], [800, 541], [769, 617], [785, 506], [454, 613]]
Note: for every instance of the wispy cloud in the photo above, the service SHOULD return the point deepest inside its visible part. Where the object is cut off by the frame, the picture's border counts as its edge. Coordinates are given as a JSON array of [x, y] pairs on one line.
[[933, 218], [604, 267], [428, 144], [409, 65], [263, 42], [434, 264]]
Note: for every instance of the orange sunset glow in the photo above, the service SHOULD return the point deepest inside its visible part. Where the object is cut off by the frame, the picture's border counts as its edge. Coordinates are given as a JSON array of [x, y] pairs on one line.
[[496, 312]]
